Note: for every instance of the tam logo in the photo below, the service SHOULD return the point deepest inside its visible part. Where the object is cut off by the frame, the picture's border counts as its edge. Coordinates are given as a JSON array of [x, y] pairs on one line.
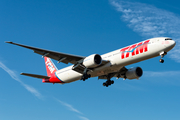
[[50, 65], [134, 49]]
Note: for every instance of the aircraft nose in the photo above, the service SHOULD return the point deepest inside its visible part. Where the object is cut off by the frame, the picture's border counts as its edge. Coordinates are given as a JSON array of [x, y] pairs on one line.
[[170, 44], [173, 43]]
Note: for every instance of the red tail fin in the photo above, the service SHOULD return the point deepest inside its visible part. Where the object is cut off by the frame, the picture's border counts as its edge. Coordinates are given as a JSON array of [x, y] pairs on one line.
[[50, 67]]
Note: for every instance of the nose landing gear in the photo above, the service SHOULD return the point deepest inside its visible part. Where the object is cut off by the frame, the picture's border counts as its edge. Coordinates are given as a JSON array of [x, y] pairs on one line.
[[161, 60], [162, 54]]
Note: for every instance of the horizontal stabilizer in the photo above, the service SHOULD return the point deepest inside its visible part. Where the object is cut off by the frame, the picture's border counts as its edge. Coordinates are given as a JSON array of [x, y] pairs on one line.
[[36, 76]]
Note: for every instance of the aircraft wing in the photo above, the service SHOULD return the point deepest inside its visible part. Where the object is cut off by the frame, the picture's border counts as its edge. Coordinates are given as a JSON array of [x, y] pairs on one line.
[[60, 57]]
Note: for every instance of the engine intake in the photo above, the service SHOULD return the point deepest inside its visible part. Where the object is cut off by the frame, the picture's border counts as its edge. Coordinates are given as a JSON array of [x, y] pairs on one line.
[[92, 61], [134, 73]]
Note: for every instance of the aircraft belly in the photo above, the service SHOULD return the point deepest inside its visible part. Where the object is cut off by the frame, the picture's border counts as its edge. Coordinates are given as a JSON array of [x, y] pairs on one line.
[[69, 76], [104, 70]]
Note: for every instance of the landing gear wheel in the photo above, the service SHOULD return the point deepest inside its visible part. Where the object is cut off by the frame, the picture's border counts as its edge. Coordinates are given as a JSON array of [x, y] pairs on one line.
[[85, 76], [112, 82], [89, 75], [108, 82], [161, 61], [105, 84]]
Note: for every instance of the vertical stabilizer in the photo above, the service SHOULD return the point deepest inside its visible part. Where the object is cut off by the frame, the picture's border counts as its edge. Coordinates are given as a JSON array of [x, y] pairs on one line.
[[50, 67]]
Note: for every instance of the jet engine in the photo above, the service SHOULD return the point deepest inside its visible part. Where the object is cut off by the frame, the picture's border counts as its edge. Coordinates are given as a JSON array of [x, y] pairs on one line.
[[92, 61], [134, 73]]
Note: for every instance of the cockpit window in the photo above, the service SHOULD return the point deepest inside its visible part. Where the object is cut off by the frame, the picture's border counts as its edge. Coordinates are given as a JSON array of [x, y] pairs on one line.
[[168, 39]]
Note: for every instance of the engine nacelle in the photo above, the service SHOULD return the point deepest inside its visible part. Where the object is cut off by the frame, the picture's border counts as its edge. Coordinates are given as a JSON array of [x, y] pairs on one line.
[[92, 61], [134, 73]]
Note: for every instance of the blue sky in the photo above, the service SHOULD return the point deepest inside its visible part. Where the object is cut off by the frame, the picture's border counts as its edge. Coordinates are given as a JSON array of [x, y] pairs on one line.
[[85, 28]]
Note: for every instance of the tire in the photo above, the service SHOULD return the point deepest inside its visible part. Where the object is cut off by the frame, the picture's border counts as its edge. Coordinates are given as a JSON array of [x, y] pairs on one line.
[[161, 61], [112, 82], [89, 76]]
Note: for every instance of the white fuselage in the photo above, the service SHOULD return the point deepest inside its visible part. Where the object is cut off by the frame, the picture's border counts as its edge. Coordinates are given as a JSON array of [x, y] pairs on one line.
[[122, 57]]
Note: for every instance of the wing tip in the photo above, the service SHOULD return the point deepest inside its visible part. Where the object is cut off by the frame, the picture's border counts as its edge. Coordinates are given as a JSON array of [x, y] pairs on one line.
[[8, 42]]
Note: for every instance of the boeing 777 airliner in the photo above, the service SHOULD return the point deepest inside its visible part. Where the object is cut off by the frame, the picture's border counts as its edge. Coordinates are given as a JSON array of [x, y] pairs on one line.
[[104, 66]]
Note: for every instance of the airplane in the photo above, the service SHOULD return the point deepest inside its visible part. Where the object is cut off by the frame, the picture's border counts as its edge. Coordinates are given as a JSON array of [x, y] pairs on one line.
[[104, 66]]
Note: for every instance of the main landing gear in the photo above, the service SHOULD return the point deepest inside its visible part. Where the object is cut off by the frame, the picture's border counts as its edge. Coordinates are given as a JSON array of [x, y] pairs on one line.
[[162, 55], [108, 82], [85, 75]]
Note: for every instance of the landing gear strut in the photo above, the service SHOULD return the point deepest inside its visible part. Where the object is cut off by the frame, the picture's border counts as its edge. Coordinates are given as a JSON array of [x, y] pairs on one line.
[[162, 55], [85, 75], [108, 82]]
